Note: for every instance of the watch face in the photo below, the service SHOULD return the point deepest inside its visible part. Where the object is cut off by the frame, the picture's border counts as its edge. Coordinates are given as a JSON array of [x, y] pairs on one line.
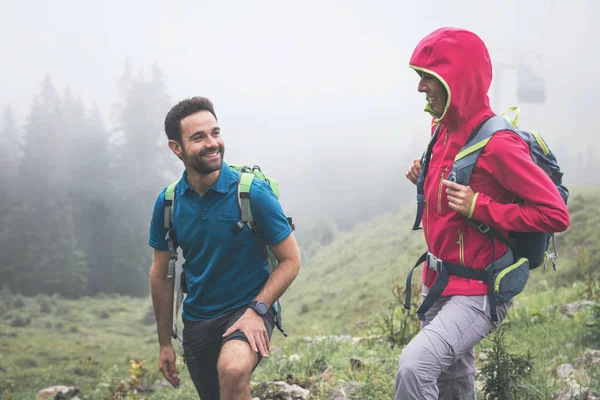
[[261, 307]]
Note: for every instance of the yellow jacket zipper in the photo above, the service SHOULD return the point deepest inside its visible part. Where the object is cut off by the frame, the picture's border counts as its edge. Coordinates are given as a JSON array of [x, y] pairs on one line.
[[441, 186], [461, 247]]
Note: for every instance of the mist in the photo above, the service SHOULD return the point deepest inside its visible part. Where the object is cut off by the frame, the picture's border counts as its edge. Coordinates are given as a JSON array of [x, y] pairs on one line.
[[319, 94]]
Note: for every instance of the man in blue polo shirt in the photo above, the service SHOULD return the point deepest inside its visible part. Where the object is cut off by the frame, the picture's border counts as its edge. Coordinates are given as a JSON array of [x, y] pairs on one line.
[[227, 315]]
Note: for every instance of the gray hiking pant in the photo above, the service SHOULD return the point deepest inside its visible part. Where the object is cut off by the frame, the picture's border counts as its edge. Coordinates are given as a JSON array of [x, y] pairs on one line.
[[439, 363]]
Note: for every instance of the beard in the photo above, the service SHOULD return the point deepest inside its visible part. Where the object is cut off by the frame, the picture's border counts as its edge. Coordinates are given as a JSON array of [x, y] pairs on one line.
[[203, 167]]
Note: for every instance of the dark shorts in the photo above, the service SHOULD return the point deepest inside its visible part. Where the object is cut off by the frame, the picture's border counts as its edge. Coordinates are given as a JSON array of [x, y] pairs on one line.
[[202, 341]]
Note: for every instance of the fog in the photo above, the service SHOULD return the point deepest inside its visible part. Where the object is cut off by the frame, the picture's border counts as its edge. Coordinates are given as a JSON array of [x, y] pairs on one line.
[[317, 93]]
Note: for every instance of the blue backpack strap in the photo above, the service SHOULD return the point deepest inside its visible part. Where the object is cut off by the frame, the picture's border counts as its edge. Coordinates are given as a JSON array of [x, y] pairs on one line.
[[421, 179], [465, 160]]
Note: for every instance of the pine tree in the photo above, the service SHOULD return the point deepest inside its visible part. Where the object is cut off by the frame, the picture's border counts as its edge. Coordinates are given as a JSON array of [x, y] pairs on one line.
[[139, 168], [44, 254]]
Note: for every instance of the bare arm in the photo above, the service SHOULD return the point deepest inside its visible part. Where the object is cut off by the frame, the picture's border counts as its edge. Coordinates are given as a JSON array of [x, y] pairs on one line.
[[288, 257], [162, 291], [162, 296]]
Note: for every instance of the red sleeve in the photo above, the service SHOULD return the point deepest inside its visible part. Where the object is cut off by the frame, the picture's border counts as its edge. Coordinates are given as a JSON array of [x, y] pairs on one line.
[[507, 158]]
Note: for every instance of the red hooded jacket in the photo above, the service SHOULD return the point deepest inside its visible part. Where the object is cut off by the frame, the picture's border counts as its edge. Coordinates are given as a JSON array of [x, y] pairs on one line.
[[504, 170]]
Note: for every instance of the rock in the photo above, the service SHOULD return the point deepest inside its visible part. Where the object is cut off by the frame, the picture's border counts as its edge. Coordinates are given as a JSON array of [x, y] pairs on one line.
[[337, 394], [570, 309], [555, 363], [574, 391], [326, 375], [57, 392], [280, 391], [565, 371], [351, 387], [590, 358], [356, 363]]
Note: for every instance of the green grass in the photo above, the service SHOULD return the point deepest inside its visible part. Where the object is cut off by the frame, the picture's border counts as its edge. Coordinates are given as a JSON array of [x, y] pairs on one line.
[[90, 342]]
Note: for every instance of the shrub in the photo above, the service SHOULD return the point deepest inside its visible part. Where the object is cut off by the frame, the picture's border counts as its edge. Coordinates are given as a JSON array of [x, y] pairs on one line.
[[503, 371]]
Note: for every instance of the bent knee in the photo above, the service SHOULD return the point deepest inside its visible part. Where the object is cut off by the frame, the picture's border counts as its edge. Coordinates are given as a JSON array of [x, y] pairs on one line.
[[409, 366], [233, 372], [423, 363]]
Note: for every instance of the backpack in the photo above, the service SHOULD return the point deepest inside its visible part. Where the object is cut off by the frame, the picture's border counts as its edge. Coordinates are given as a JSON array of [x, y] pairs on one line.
[[247, 176], [533, 247]]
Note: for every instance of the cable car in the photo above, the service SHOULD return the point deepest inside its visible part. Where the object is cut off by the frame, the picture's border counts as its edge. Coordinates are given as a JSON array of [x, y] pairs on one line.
[[531, 87]]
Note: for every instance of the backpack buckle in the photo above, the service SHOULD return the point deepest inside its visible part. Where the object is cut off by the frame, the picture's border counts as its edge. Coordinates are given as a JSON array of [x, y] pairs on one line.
[[483, 228], [434, 263]]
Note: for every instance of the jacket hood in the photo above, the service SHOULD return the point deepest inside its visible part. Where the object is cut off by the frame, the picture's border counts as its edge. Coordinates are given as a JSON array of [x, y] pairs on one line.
[[460, 60]]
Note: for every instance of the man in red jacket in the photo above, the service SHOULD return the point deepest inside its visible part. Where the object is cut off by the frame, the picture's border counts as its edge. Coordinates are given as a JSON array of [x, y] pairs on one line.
[[456, 73]]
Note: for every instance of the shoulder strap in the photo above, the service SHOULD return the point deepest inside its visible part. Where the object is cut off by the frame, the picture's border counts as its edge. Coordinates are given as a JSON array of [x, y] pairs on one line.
[[173, 256], [169, 200], [465, 160], [244, 183], [421, 179], [170, 237]]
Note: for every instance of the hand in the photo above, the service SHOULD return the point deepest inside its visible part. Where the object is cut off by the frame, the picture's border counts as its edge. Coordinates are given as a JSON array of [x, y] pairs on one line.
[[253, 326], [166, 363], [460, 198], [413, 170]]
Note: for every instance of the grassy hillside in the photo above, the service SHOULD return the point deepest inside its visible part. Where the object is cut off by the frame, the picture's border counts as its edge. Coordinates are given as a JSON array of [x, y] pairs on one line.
[[94, 343]]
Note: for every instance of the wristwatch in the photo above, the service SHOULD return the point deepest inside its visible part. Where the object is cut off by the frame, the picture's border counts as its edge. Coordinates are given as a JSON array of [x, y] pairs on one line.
[[260, 307]]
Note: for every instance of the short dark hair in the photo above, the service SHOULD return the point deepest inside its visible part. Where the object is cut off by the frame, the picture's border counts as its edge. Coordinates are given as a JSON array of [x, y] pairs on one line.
[[183, 109]]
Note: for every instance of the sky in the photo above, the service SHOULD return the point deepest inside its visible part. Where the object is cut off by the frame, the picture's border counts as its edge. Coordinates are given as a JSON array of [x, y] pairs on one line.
[[319, 93]]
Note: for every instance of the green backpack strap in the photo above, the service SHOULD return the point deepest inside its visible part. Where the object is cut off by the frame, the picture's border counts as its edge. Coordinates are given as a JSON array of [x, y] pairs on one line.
[[169, 199], [515, 121], [168, 222], [244, 183], [172, 244]]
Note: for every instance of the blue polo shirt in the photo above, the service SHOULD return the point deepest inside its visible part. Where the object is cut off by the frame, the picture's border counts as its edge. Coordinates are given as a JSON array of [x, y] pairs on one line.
[[223, 270]]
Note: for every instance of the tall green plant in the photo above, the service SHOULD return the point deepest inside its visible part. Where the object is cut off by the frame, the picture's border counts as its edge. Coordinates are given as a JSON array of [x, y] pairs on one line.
[[396, 324], [504, 371]]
